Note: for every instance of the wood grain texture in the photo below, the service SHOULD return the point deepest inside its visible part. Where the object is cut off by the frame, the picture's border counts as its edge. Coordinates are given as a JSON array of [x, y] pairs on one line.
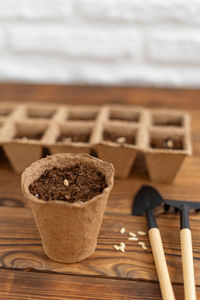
[[17, 285], [20, 247]]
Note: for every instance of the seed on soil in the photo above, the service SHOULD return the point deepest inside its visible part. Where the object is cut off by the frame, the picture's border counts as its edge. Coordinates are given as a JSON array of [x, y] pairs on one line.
[[36, 195], [168, 143], [122, 230], [66, 140], [121, 140], [122, 245], [132, 238], [132, 234], [24, 138], [66, 182], [141, 233]]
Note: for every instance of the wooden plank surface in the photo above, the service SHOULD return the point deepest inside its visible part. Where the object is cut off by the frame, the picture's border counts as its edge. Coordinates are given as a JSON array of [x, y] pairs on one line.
[[151, 97], [129, 275], [20, 247], [17, 285]]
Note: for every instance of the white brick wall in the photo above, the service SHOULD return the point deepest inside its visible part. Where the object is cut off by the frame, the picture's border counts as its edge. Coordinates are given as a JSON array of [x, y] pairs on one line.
[[75, 42], [129, 42], [1, 40], [174, 48]]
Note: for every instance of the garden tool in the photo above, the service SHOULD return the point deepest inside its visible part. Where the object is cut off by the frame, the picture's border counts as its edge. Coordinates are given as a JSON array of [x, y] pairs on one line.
[[146, 200], [186, 244]]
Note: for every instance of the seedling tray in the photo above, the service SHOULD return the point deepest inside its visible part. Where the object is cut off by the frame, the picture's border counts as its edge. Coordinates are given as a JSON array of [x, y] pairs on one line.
[[113, 133]]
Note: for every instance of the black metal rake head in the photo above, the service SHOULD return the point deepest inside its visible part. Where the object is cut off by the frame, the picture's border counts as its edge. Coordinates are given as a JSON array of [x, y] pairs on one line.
[[178, 205]]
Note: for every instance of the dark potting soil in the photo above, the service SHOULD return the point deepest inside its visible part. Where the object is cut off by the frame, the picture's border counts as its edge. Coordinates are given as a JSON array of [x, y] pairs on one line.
[[176, 123], [38, 116], [24, 137], [68, 138], [133, 118], [119, 139], [82, 117], [83, 183]]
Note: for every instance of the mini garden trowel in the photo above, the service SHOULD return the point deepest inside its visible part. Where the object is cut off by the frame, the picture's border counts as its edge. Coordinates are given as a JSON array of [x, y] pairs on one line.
[[186, 244], [146, 200]]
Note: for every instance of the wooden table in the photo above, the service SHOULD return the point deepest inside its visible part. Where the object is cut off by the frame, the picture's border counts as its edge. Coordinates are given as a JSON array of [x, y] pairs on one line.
[[26, 272]]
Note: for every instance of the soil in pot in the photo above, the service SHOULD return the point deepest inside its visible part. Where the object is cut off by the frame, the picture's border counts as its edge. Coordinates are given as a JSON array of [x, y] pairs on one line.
[[76, 183]]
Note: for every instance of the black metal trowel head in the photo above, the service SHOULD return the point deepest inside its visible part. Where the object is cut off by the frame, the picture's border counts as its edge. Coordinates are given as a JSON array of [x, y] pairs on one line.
[[147, 198]]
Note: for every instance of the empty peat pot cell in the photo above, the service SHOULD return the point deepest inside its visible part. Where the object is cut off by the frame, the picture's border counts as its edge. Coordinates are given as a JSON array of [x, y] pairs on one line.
[[112, 135], [40, 112], [82, 115], [167, 142], [160, 119], [127, 115], [25, 131]]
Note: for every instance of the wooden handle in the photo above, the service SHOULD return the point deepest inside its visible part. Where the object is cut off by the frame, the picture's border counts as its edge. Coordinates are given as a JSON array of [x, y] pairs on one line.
[[187, 262], [161, 265]]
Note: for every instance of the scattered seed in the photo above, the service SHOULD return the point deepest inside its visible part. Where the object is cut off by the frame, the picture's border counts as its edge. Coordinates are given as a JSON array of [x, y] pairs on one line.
[[66, 182], [121, 140], [132, 238], [144, 247], [121, 249], [36, 195], [116, 247], [122, 245], [141, 243], [122, 230], [141, 233], [132, 234], [24, 138]]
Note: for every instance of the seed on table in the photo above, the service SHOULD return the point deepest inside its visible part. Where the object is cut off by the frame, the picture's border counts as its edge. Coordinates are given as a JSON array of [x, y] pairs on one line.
[[132, 238], [122, 245], [66, 182], [116, 247], [122, 230], [144, 247], [141, 243], [122, 249], [141, 233], [132, 234]]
